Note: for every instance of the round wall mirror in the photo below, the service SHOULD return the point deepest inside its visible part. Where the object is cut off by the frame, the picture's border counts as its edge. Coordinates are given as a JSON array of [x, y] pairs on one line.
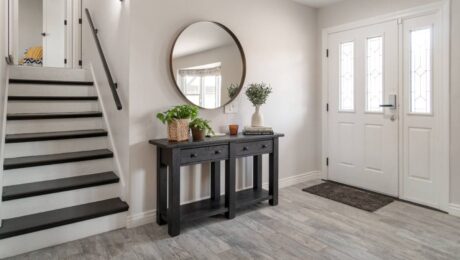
[[208, 65]]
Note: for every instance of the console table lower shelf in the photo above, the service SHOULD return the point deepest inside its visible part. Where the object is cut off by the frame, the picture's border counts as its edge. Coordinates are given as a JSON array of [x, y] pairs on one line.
[[208, 208]]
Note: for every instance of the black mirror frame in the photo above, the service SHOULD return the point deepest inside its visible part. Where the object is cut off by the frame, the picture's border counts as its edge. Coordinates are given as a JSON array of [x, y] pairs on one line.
[[243, 59]]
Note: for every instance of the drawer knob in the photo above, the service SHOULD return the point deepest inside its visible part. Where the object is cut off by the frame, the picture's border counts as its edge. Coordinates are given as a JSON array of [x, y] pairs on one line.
[[264, 146], [217, 152], [193, 155], [245, 148]]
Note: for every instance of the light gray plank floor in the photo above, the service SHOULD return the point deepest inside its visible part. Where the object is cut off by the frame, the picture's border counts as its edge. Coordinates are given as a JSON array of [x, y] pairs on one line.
[[303, 226]]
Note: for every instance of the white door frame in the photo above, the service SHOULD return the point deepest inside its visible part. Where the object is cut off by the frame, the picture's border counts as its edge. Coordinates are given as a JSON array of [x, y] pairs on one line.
[[73, 33], [443, 7]]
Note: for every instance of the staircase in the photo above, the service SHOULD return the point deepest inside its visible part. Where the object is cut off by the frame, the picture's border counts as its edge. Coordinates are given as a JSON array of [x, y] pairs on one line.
[[59, 180]]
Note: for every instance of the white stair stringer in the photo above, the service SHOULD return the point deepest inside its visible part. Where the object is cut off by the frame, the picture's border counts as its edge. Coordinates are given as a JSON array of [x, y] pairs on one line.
[[59, 235]]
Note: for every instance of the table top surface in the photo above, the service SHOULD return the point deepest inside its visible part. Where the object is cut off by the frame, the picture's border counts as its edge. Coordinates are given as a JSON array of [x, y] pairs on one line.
[[165, 143]]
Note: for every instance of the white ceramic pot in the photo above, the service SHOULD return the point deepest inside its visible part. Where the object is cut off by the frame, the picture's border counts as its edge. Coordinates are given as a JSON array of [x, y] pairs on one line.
[[257, 118]]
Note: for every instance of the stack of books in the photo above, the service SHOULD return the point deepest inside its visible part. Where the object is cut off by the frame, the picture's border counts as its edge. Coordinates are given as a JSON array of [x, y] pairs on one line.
[[260, 130]]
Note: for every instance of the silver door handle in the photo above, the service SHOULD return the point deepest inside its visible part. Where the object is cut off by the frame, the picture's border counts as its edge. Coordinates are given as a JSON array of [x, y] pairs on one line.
[[392, 99]]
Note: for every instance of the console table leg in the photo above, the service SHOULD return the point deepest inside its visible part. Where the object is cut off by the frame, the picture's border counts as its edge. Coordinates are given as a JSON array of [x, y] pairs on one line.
[[257, 172], [273, 174], [174, 195], [215, 181], [230, 194], [162, 196]]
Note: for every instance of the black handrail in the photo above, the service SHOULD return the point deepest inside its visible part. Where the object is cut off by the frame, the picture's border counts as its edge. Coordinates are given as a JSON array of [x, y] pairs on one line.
[[113, 85]]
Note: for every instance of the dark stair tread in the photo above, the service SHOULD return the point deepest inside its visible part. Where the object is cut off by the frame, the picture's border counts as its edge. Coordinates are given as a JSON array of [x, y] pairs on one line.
[[35, 116], [47, 187], [32, 137], [52, 98], [31, 161], [51, 219], [51, 82]]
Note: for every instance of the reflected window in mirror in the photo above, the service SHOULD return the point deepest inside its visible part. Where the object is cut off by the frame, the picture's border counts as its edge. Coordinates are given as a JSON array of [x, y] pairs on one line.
[[208, 65], [201, 85]]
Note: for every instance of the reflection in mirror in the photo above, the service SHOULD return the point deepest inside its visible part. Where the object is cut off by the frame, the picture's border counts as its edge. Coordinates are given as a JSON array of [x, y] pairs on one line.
[[208, 65]]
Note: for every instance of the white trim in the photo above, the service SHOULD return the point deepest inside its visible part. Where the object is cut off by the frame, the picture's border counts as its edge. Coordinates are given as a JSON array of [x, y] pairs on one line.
[[3, 133], [116, 158], [140, 219], [147, 217], [443, 7], [293, 180], [454, 209]]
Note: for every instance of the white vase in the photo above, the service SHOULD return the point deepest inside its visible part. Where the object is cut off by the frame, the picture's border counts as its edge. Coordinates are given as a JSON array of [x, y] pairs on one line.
[[257, 118]]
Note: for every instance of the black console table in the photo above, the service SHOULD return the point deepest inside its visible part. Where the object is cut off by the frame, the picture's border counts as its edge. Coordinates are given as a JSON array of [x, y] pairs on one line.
[[214, 150]]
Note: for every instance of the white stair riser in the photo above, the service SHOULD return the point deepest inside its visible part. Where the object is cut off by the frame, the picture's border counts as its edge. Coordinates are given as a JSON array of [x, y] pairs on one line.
[[53, 125], [37, 204], [43, 73], [55, 147], [51, 106], [59, 235], [50, 90], [56, 171]]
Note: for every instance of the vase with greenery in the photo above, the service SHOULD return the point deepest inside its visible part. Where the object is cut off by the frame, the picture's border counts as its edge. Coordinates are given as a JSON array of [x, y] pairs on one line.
[[258, 93], [178, 119], [200, 128]]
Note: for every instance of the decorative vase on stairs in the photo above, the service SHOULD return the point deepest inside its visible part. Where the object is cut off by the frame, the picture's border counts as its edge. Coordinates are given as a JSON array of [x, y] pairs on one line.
[[257, 118]]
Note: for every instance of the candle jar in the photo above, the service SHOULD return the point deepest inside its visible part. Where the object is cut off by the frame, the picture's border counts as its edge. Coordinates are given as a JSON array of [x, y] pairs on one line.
[[233, 129]]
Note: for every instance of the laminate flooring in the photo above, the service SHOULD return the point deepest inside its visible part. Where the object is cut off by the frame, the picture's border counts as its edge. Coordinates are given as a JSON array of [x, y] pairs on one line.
[[302, 226]]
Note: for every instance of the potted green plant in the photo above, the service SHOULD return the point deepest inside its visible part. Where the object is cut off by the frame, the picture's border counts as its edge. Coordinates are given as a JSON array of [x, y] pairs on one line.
[[258, 93], [200, 128], [233, 91], [178, 119]]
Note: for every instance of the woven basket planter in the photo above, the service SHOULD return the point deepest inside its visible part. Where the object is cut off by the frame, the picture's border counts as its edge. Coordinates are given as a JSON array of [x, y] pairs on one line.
[[178, 130]]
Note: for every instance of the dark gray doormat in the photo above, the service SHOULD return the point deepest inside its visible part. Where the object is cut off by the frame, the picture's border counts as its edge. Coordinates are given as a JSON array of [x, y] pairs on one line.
[[355, 197]]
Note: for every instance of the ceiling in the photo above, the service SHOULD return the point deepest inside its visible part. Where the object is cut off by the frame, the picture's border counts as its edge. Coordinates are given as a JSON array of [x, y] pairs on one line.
[[318, 3]]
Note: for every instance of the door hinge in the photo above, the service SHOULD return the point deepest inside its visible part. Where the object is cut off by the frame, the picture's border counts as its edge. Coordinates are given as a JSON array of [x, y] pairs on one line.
[[65, 22], [327, 107], [327, 53], [65, 61], [327, 161], [80, 21], [80, 63]]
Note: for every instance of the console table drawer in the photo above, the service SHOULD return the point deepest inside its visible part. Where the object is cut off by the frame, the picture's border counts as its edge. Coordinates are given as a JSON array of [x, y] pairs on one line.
[[210, 153], [253, 148]]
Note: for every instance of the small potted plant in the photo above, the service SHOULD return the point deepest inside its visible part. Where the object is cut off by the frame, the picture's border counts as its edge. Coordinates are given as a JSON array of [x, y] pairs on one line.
[[258, 93], [200, 128], [233, 91], [178, 119]]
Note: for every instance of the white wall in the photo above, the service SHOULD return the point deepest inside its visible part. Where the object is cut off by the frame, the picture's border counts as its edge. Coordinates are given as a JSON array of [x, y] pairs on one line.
[[278, 38], [352, 10], [112, 19], [30, 22], [3, 66]]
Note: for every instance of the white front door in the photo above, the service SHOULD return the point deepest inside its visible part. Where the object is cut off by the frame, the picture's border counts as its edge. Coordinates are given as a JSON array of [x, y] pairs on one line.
[[400, 149], [54, 33], [363, 136], [422, 112]]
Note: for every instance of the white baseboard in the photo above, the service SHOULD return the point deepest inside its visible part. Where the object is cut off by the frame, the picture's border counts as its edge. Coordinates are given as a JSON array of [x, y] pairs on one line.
[[454, 209], [140, 219], [149, 216]]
